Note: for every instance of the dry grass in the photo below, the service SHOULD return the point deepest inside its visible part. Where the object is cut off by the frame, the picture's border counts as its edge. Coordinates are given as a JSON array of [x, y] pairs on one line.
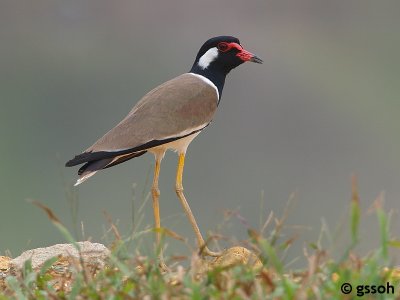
[[136, 276]]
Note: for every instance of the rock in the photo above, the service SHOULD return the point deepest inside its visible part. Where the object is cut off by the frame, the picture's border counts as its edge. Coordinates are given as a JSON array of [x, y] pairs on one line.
[[4, 264], [91, 258], [92, 253], [4, 270]]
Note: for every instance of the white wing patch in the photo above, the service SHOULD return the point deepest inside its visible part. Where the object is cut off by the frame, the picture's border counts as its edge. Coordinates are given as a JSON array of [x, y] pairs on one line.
[[208, 58]]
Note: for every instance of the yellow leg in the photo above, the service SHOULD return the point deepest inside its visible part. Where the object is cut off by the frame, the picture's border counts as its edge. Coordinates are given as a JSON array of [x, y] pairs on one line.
[[179, 191], [156, 209]]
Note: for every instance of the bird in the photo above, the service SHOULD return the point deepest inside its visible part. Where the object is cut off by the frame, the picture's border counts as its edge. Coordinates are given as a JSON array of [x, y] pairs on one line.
[[169, 117]]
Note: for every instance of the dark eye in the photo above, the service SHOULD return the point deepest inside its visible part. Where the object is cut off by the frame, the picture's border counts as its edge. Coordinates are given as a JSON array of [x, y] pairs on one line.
[[223, 47]]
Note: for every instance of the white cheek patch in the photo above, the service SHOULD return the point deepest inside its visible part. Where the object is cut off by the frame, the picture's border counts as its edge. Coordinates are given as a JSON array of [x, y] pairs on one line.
[[208, 58]]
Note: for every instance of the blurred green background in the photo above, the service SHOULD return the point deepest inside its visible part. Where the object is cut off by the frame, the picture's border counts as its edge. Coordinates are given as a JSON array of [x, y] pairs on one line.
[[325, 104]]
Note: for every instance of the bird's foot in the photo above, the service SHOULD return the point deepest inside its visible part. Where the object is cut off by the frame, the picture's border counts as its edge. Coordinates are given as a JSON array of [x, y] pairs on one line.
[[207, 252]]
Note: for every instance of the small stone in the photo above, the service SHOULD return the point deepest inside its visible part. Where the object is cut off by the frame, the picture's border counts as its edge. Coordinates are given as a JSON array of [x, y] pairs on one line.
[[5, 263], [4, 270]]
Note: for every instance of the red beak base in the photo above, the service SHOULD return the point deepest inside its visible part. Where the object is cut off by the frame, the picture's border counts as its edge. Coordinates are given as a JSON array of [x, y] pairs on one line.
[[247, 56]]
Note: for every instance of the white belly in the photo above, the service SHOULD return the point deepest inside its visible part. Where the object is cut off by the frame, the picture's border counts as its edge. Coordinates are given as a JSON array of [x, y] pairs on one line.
[[179, 146]]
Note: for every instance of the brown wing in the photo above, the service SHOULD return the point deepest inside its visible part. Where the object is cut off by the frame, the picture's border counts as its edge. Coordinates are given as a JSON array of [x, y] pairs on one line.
[[167, 112]]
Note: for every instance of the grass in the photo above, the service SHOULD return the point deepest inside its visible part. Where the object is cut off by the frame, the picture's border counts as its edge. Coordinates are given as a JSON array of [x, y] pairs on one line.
[[135, 276]]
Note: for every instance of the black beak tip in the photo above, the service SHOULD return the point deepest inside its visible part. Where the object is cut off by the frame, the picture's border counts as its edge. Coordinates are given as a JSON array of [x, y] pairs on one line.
[[256, 59]]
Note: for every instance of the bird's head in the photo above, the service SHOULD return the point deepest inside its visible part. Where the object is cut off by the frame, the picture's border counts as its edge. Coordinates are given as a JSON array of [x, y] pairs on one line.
[[223, 53]]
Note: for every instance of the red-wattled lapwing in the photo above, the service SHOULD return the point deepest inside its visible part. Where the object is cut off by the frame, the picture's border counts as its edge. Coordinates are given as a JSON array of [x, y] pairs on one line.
[[169, 117]]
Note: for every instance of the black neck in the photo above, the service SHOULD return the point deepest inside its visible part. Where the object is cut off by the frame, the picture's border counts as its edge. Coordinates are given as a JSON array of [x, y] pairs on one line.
[[212, 72]]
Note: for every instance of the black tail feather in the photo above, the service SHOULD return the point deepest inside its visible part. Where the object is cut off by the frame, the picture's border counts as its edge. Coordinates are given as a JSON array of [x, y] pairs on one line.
[[99, 155], [107, 162], [89, 157], [124, 158], [94, 166]]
